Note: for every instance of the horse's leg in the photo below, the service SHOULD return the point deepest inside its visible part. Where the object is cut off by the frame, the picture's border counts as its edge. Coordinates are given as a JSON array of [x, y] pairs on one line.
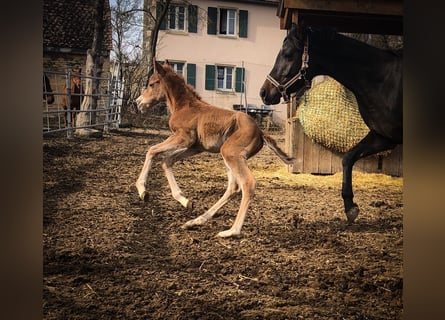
[[232, 188], [372, 143], [247, 183], [167, 166], [174, 143]]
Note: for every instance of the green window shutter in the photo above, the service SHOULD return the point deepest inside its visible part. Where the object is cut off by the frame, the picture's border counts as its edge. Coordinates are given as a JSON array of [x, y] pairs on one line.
[[212, 18], [159, 6], [243, 14], [193, 18], [239, 79], [210, 77], [191, 74]]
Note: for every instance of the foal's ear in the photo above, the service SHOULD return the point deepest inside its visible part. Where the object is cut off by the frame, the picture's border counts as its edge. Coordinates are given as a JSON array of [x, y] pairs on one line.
[[158, 67]]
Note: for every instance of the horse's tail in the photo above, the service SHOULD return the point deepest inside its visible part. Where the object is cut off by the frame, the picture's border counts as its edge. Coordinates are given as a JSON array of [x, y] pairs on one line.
[[272, 144]]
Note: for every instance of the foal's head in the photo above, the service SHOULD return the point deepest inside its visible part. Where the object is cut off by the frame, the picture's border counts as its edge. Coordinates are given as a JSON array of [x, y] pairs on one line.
[[165, 84], [288, 64], [154, 93]]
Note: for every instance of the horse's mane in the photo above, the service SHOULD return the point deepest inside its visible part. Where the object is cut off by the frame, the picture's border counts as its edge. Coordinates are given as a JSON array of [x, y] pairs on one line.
[[332, 34], [186, 90]]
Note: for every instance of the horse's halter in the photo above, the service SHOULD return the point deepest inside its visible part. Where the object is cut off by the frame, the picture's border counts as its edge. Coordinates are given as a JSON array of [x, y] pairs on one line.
[[300, 75]]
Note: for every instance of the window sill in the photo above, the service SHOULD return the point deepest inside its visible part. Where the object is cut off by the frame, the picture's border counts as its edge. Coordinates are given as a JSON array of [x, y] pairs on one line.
[[179, 32], [227, 36], [225, 92]]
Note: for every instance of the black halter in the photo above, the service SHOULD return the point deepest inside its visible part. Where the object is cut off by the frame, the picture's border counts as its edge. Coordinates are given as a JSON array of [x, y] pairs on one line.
[[300, 75]]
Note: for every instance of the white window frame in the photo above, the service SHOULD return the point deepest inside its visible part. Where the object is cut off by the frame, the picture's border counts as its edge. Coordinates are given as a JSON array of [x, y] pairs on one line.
[[176, 10], [227, 20], [225, 78]]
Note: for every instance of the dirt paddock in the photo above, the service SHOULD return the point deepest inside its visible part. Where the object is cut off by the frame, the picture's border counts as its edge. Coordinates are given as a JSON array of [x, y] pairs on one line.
[[108, 255]]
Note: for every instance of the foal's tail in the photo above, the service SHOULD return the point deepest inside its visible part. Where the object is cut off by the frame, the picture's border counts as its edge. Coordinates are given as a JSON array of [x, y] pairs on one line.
[[272, 144]]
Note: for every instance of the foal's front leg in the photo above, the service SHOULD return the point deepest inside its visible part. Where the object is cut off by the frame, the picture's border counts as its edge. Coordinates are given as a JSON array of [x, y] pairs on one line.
[[174, 143], [167, 165]]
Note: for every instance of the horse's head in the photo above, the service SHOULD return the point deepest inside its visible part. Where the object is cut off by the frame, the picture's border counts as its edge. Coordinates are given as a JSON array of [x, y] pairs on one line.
[[154, 93], [47, 90], [75, 76], [288, 73]]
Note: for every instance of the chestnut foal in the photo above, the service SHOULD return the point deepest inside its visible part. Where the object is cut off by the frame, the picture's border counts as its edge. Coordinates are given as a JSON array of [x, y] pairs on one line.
[[196, 127]]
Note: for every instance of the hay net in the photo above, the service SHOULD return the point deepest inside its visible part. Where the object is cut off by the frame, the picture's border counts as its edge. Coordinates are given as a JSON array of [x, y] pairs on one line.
[[329, 115]]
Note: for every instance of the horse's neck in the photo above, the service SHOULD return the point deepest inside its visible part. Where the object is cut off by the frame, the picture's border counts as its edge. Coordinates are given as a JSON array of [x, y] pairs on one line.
[[177, 101], [345, 60], [179, 97]]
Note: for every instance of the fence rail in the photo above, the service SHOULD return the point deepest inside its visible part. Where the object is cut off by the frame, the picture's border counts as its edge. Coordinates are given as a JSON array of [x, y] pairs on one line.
[[106, 114]]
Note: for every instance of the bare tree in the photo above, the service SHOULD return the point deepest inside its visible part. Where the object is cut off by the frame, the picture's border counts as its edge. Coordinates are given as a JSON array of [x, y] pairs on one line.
[[93, 69], [135, 24], [154, 12]]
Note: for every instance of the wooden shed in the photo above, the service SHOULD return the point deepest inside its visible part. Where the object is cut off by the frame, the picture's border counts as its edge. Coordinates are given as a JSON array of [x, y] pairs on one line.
[[383, 17]]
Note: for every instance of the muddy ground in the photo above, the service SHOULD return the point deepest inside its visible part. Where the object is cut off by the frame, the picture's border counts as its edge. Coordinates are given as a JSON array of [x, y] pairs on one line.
[[108, 255]]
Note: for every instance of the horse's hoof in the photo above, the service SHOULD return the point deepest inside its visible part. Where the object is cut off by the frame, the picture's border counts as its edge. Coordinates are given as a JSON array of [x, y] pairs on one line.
[[188, 225], [228, 233], [144, 196], [189, 206], [352, 214], [194, 222]]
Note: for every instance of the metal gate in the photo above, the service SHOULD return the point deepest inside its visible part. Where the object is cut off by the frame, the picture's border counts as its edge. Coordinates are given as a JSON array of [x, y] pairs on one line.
[[105, 116]]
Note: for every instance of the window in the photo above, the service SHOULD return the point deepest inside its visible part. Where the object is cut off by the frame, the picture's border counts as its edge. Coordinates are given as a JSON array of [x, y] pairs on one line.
[[227, 21], [179, 17], [176, 17], [178, 67], [187, 70], [224, 77]]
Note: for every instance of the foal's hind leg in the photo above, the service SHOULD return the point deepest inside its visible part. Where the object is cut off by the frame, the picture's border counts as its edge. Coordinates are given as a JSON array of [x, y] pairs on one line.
[[247, 182], [232, 188], [372, 143]]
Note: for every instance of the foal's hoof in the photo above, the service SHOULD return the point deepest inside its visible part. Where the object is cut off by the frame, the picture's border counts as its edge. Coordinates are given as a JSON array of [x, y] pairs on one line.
[[189, 205], [189, 224], [228, 233], [144, 196], [352, 214], [194, 222]]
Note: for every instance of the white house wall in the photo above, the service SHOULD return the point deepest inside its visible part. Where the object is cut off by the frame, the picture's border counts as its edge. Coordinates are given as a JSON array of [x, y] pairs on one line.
[[256, 53]]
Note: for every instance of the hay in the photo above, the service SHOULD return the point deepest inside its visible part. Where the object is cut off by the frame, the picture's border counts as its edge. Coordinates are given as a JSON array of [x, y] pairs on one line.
[[329, 115]]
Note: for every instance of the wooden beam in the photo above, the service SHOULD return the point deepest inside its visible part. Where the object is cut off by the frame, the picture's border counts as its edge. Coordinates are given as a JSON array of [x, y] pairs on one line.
[[379, 7], [355, 16], [346, 22], [286, 20]]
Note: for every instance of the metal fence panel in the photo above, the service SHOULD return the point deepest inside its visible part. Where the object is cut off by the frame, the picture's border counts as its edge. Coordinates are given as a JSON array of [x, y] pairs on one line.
[[106, 115]]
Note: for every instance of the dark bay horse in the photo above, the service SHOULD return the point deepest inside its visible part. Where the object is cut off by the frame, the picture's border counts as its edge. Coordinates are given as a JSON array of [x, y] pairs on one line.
[[373, 75], [48, 95], [73, 96], [197, 127]]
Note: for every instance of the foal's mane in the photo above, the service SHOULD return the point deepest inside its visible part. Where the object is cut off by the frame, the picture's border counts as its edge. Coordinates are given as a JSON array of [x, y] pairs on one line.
[[177, 82]]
